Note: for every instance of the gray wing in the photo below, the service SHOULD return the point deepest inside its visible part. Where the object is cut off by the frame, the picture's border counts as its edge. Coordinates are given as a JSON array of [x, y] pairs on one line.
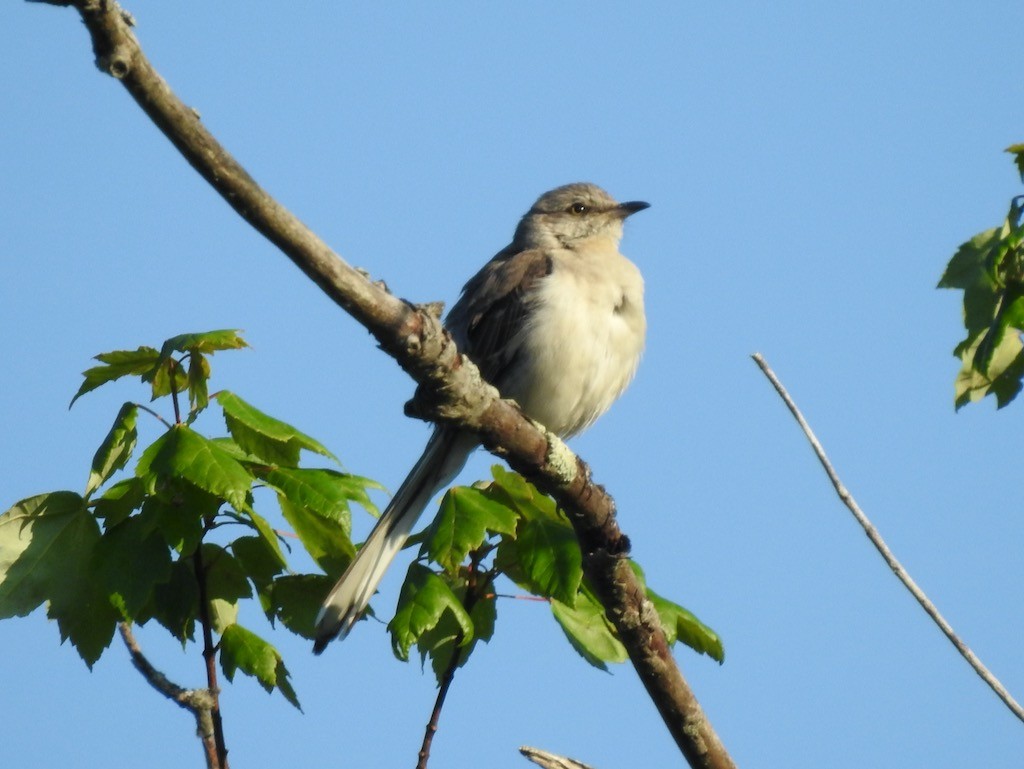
[[494, 306]]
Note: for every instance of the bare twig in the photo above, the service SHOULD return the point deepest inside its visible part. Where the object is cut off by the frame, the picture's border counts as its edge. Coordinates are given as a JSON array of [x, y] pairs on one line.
[[876, 539], [475, 590], [198, 702], [451, 388]]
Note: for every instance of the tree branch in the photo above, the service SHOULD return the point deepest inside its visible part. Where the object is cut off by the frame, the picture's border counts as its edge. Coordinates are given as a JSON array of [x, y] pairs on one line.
[[451, 388], [551, 760], [210, 652], [198, 702], [876, 539]]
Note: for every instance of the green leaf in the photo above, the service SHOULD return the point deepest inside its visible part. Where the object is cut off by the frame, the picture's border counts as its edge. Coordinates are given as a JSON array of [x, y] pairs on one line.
[[225, 577], [198, 376], [168, 376], [466, 516], [969, 264], [241, 649], [119, 501], [117, 364], [46, 545], [129, 561], [544, 559], [183, 453], [681, 625], [116, 449], [226, 584], [203, 342], [37, 535], [296, 601], [272, 440], [324, 492], [589, 631], [1002, 377], [424, 600], [180, 511], [258, 560], [521, 495], [266, 532], [443, 640], [175, 603], [1017, 150], [326, 541]]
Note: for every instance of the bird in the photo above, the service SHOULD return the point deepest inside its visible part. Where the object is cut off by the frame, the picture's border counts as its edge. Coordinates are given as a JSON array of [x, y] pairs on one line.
[[555, 321]]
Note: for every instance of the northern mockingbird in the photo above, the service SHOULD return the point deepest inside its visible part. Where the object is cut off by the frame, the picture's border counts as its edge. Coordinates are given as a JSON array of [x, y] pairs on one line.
[[556, 322]]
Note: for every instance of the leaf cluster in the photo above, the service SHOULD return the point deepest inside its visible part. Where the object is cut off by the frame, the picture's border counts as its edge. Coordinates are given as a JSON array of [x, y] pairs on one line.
[[508, 528], [179, 541], [989, 269]]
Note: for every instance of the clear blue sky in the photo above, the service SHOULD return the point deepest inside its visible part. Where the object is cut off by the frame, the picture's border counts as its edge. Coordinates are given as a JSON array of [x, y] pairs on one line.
[[811, 168]]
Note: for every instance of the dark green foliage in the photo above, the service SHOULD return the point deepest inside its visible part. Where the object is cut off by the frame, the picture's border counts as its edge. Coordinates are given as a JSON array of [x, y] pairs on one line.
[[149, 545], [989, 269], [507, 527], [179, 540]]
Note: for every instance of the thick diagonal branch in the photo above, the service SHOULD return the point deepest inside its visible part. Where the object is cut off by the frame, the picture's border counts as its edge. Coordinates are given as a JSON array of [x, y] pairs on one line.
[[450, 384]]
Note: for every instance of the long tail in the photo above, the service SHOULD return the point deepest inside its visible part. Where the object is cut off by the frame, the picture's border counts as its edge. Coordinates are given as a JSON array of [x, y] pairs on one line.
[[443, 458]]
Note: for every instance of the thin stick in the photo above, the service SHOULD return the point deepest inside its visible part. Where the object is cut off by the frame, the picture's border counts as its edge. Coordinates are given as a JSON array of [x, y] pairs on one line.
[[883, 549], [210, 657], [197, 701]]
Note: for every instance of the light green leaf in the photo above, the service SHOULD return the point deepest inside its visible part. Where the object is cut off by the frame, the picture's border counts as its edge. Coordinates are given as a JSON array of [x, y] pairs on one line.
[[241, 649], [183, 453], [589, 631], [424, 600], [441, 642], [117, 364], [521, 495], [544, 559], [681, 625], [198, 376], [46, 545], [466, 516], [203, 342], [266, 532], [326, 541], [272, 440], [324, 492], [37, 536], [1002, 377], [116, 449], [969, 264]]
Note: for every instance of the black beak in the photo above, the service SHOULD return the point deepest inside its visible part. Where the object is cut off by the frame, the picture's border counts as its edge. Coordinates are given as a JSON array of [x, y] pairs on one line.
[[630, 208]]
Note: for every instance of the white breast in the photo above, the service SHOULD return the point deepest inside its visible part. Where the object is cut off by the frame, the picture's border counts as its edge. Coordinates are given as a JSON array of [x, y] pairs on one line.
[[583, 343]]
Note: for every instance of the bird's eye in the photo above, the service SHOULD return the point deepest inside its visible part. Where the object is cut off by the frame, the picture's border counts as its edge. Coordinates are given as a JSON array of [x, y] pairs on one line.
[[579, 208]]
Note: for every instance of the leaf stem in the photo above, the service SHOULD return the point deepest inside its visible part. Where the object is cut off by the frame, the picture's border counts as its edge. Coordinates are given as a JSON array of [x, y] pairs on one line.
[[153, 413]]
